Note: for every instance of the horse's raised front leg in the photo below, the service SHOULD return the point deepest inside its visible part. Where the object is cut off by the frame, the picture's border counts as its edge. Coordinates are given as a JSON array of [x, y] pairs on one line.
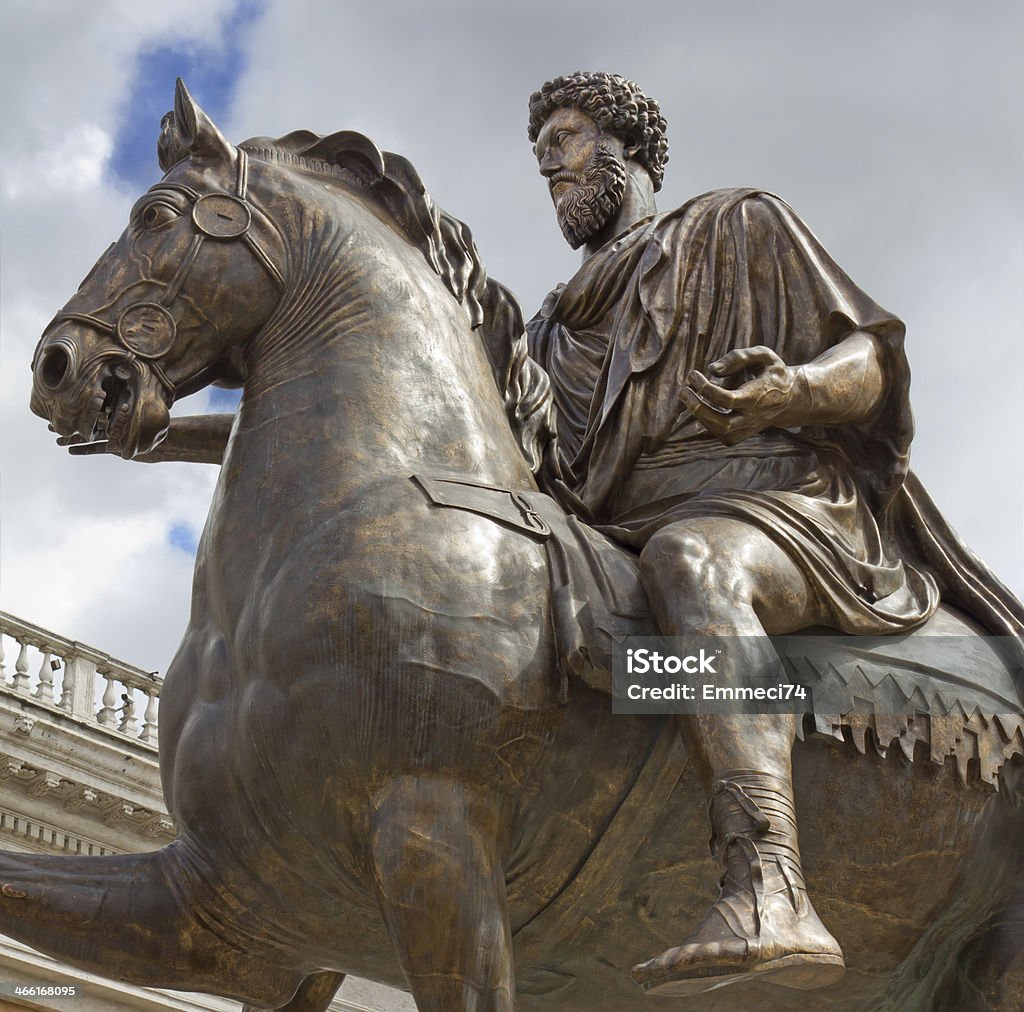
[[442, 892], [136, 918]]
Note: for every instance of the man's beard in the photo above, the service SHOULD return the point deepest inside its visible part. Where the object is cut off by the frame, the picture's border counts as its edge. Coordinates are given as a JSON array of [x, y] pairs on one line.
[[594, 198]]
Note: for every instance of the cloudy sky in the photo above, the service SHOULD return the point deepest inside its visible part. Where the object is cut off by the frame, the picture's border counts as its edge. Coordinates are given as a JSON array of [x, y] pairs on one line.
[[893, 128]]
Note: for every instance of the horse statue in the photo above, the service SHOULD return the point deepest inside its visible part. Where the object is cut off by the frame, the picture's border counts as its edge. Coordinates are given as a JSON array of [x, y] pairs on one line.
[[376, 761]]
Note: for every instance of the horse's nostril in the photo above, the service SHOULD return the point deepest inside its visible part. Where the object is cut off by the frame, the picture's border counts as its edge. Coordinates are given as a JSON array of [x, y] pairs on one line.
[[54, 366]]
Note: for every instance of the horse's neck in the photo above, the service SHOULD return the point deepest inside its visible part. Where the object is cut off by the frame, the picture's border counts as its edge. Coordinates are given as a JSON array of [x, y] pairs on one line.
[[370, 368]]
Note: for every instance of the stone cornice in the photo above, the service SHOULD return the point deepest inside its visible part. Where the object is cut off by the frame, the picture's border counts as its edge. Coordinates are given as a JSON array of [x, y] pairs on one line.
[[56, 743]]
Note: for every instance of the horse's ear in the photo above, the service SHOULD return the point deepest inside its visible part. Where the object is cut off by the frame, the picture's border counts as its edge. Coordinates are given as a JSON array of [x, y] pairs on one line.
[[189, 131]]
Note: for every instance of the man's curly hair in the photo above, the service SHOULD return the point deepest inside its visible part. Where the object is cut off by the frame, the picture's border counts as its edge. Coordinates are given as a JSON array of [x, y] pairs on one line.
[[615, 105]]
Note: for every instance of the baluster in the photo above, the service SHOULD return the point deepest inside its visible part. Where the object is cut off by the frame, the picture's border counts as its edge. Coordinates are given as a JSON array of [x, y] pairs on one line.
[[3, 668], [67, 697], [107, 715], [129, 723], [149, 719], [44, 689], [21, 680]]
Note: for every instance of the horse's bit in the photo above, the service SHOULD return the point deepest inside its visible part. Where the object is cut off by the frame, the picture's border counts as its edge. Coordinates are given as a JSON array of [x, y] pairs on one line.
[[146, 330]]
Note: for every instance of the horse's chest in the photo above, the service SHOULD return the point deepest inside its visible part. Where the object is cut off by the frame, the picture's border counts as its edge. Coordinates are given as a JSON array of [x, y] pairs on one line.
[[254, 534]]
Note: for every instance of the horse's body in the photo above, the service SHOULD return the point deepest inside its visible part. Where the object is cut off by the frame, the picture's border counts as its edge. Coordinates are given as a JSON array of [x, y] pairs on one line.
[[361, 736]]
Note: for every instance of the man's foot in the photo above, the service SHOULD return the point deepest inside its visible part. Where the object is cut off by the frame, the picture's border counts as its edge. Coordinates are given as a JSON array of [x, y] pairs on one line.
[[791, 949], [763, 924]]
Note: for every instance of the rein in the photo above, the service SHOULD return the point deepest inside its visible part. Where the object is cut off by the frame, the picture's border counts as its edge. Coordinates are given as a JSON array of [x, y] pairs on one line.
[[146, 330]]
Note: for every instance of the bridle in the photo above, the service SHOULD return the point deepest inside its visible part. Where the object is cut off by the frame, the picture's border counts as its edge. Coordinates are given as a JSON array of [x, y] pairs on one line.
[[146, 330]]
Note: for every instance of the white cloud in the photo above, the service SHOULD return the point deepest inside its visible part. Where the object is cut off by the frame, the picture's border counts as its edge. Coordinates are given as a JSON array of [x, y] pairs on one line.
[[73, 165]]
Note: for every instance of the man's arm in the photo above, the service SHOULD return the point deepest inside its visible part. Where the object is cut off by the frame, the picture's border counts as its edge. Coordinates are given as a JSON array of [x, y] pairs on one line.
[[196, 439], [845, 385]]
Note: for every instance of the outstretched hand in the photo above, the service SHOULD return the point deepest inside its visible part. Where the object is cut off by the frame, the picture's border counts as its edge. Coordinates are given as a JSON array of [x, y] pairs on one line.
[[756, 390], [194, 439], [79, 446]]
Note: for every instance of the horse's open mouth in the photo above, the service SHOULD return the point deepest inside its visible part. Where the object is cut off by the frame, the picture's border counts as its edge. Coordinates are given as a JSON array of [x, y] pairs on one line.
[[116, 409]]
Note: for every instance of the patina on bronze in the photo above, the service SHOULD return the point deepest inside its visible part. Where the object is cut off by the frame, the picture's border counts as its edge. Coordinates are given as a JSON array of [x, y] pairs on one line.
[[379, 738]]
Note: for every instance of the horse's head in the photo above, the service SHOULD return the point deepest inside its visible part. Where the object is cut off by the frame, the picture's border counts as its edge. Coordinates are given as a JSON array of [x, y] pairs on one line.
[[167, 308]]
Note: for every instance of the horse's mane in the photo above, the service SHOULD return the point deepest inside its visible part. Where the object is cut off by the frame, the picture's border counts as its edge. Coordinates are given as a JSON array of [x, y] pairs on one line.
[[447, 245], [391, 182]]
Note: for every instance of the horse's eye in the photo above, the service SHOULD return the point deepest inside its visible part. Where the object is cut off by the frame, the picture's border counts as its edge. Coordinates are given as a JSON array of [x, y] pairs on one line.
[[158, 213]]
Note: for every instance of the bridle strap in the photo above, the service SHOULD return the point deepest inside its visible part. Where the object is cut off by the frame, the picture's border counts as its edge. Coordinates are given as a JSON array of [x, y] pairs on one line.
[[242, 175], [90, 321], [268, 265], [157, 371], [171, 292]]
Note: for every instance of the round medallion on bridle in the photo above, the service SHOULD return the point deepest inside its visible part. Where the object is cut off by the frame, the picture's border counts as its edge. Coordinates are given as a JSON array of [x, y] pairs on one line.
[[221, 216], [147, 329]]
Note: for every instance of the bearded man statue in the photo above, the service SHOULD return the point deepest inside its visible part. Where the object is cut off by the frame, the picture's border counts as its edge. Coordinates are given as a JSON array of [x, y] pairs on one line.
[[731, 405]]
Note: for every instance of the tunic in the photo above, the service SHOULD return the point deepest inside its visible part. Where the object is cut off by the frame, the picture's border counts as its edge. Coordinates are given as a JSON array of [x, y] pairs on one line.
[[735, 269]]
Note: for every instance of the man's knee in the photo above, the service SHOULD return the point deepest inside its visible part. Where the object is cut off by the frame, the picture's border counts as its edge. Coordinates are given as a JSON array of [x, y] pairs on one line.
[[712, 572], [691, 559]]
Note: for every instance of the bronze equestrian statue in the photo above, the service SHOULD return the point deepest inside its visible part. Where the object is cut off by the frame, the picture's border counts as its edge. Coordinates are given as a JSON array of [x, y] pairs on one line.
[[386, 738]]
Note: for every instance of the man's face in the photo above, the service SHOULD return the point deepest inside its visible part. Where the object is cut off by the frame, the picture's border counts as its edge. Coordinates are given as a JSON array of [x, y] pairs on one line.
[[585, 171]]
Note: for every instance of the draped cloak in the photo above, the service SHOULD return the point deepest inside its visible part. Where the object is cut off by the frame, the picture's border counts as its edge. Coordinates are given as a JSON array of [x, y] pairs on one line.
[[736, 269]]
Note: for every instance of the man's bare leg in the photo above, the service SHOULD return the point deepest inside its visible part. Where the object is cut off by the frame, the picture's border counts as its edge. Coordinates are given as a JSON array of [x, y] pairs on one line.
[[721, 577]]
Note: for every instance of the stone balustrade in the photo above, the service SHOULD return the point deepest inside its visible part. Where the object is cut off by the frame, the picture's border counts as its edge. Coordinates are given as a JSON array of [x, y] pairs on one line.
[[79, 681]]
